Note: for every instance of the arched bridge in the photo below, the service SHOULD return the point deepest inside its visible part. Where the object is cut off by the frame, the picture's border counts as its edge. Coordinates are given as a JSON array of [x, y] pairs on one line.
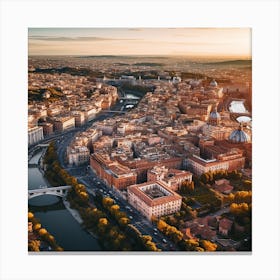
[[57, 191]]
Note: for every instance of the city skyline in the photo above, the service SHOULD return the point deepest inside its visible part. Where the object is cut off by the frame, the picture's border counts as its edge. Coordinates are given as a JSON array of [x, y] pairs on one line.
[[204, 42]]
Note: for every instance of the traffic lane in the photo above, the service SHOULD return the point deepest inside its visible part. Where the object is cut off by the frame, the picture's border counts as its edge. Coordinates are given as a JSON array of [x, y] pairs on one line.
[[92, 182], [137, 219]]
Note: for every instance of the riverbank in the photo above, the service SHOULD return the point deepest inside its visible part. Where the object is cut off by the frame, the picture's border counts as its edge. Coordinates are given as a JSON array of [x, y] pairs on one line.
[[60, 220], [75, 213]]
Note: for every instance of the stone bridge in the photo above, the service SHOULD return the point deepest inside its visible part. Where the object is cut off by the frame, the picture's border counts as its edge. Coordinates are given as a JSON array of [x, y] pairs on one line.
[[57, 191]]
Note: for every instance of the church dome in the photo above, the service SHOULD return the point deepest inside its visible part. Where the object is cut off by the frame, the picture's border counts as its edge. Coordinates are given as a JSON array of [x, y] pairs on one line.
[[214, 115], [239, 136], [213, 83]]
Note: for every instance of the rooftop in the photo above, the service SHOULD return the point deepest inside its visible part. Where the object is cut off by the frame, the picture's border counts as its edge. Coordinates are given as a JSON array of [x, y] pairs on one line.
[[154, 193]]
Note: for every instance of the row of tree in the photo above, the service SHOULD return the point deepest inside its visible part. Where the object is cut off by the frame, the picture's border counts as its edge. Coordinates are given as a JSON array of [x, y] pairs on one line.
[[240, 197], [211, 176], [115, 235], [185, 244], [142, 242]]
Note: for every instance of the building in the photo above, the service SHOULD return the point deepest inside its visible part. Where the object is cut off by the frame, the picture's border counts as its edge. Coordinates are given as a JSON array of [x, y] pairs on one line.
[[112, 172], [141, 166], [47, 128], [225, 226], [214, 117], [79, 118], [199, 165], [154, 199], [233, 160], [223, 186], [35, 134], [239, 136], [203, 227], [89, 112], [64, 123], [77, 155], [173, 178]]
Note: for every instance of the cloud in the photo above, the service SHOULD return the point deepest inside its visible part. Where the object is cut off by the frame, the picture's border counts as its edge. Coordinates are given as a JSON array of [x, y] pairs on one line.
[[75, 39]]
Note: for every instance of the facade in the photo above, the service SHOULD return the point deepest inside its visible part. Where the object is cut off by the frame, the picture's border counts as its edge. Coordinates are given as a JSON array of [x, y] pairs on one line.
[[77, 155], [47, 128], [228, 162], [154, 199], [35, 134], [173, 178], [90, 113], [79, 118], [64, 123], [142, 166], [112, 172]]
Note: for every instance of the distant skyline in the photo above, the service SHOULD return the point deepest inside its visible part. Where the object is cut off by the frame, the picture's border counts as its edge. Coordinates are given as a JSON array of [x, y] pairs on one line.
[[212, 42]]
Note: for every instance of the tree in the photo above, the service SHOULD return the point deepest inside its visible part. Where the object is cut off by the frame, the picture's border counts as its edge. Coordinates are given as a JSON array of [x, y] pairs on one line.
[[102, 225], [247, 184], [188, 245], [208, 245], [36, 226], [42, 232], [187, 187], [241, 209], [114, 208], [199, 249], [58, 248], [34, 245], [107, 202], [123, 221], [161, 225], [30, 215], [204, 178], [84, 196], [243, 196]]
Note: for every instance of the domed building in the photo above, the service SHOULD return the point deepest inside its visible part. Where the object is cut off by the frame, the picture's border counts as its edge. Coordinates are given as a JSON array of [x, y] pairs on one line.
[[213, 83], [214, 117], [239, 136]]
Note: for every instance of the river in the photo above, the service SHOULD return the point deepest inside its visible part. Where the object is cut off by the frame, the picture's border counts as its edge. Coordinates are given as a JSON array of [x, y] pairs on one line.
[[55, 217]]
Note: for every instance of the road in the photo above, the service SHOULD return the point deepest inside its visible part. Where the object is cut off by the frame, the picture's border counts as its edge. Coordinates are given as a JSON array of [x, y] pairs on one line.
[[86, 176], [94, 184]]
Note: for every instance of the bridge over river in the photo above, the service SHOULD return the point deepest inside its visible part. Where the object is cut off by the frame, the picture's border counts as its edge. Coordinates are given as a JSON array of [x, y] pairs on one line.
[[57, 191]]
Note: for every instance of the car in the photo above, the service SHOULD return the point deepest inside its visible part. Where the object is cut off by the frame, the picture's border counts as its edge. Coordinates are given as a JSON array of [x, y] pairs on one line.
[[155, 233], [164, 240], [130, 217]]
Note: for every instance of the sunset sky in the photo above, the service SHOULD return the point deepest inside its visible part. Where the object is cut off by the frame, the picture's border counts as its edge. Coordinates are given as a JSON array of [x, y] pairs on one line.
[[232, 42]]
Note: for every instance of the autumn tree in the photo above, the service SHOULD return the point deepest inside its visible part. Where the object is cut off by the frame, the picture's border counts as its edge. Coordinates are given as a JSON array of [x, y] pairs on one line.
[[30, 216], [240, 209], [107, 202], [187, 187], [208, 245], [34, 245]]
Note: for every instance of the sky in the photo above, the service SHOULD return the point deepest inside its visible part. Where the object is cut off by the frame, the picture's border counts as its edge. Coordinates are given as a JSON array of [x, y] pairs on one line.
[[231, 42]]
